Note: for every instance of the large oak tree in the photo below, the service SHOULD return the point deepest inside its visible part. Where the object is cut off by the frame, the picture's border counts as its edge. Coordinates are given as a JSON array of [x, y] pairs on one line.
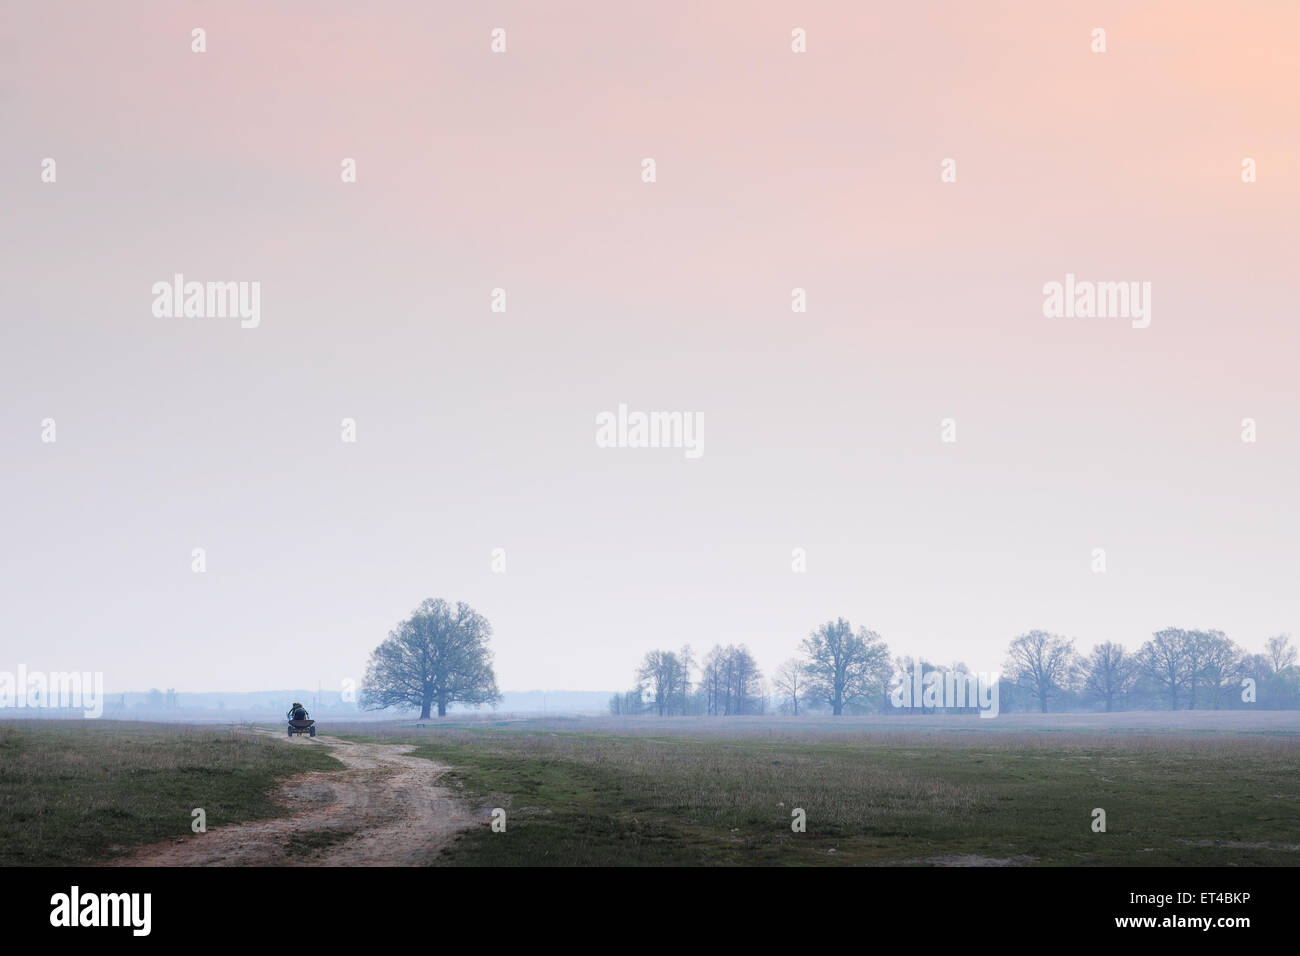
[[844, 667], [439, 655]]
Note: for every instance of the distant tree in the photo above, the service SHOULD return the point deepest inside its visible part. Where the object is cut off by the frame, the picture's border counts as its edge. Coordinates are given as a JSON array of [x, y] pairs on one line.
[[1258, 667], [1043, 664], [1012, 698], [1278, 685], [686, 662], [1206, 659], [660, 676], [1165, 660], [1282, 690], [1280, 652], [844, 666], [712, 680], [790, 683], [439, 655], [627, 704], [1197, 646], [731, 680], [1109, 673], [1220, 663], [746, 680]]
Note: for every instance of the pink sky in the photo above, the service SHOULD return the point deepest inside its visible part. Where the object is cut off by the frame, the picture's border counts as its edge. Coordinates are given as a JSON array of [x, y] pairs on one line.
[[521, 170]]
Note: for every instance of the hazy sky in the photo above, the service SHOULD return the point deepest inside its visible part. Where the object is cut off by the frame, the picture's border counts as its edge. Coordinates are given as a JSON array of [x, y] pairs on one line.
[[476, 430]]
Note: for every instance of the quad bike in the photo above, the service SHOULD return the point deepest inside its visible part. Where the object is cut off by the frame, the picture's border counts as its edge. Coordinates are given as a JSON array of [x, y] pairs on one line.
[[301, 727]]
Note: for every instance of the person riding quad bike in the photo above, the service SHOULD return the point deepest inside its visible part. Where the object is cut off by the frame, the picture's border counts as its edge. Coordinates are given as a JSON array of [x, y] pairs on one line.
[[297, 712]]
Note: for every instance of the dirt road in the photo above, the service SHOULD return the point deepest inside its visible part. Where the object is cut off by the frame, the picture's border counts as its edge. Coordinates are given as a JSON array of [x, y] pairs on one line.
[[385, 809]]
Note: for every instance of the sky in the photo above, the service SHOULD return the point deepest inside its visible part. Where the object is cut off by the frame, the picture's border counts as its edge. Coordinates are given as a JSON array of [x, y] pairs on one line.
[[475, 429]]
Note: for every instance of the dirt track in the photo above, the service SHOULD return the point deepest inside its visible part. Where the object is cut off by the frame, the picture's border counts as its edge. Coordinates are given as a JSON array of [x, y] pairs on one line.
[[385, 809]]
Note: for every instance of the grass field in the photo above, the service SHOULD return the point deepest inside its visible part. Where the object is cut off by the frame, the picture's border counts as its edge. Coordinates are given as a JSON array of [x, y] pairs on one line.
[[878, 791], [83, 792], [1188, 789]]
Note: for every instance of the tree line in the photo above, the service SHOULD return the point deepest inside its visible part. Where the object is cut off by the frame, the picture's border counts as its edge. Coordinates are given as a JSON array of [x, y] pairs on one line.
[[439, 656], [839, 669]]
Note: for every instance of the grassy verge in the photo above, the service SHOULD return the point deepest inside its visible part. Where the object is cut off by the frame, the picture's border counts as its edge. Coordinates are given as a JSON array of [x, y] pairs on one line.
[[74, 793], [607, 799]]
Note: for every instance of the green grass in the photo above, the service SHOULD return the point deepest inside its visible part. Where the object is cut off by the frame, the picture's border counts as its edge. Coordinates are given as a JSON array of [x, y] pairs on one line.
[[880, 798], [84, 792], [694, 791]]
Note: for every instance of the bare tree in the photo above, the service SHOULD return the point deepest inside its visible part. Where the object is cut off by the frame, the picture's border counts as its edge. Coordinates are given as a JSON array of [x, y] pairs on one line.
[[1197, 646], [790, 682], [1165, 660], [1220, 663], [731, 680], [745, 680], [712, 679], [1258, 667], [1109, 673], [1280, 652], [627, 703], [1207, 655], [686, 662], [844, 667], [659, 676], [1042, 663]]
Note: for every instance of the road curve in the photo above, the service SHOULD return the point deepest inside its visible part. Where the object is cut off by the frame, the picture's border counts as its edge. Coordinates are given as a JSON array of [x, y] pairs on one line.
[[385, 809]]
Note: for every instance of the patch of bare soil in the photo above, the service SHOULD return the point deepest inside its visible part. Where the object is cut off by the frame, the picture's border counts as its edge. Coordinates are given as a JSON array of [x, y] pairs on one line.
[[385, 809]]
